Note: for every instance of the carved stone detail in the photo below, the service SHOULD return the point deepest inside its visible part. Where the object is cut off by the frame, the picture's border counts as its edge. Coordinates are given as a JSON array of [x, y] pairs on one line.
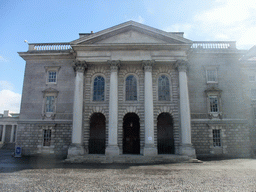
[[114, 64], [182, 65], [80, 66], [148, 64]]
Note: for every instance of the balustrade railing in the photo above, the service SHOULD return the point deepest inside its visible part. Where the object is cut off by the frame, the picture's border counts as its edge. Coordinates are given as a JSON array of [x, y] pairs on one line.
[[49, 46], [213, 45]]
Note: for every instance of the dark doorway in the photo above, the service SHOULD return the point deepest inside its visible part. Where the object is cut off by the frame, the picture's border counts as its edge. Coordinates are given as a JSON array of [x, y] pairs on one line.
[[165, 138], [8, 132], [97, 134], [131, 134]]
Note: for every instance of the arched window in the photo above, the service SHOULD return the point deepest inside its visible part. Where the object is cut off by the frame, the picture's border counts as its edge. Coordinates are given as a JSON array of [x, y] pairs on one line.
[[98, 88], [131, 88], [163, 88]]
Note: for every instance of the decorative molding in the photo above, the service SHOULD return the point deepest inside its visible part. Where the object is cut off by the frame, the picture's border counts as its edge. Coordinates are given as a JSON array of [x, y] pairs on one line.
[[50, 91], [114, 65], [182, 65], [131, 109], [164, 109], [79, 66], [97, 109], [148, 65], [53, 68]]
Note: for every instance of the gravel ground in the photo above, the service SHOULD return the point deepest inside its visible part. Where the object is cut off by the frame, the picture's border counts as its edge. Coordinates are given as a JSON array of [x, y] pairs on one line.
[[49, 175]]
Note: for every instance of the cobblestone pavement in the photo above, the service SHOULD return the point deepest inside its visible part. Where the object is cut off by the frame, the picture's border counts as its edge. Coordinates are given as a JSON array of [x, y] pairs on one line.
[[37, 174]]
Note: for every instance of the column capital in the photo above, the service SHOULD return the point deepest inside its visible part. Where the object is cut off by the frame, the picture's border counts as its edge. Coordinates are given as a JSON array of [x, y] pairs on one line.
[[79, 66], [148, 64], [114, 64], [182, 65]]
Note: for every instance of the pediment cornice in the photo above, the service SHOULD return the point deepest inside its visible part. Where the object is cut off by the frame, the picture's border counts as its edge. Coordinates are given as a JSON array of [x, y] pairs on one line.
[[169, 38]]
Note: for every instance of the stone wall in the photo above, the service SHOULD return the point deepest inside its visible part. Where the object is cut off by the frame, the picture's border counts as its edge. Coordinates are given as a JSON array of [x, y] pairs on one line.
[[235, 139], [30, 138]]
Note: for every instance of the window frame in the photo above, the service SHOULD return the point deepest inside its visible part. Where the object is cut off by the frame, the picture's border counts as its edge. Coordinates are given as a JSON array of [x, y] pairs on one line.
[[250, 77], [216, 138], [170, 87], [211, 68], [253, 96], [214, 92], [104, 89], [49, 69], [50, 92], [137, 87]]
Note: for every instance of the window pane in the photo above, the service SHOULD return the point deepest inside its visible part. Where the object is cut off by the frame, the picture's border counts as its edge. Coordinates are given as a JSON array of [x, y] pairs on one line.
[[211, 75], [49, 103], [52, 76], [216, 137], [98, 88], [131, 88], [253, 93], [213, 104], [47, 137], [251, 78], [163, 88]]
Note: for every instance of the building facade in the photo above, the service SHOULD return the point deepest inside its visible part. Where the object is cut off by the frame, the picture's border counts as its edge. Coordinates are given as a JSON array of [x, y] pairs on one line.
[[134, 89], [8, 127]]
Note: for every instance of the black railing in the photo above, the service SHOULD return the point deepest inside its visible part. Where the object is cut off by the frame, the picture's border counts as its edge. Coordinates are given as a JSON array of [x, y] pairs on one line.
[[165, 146], [97, 146]]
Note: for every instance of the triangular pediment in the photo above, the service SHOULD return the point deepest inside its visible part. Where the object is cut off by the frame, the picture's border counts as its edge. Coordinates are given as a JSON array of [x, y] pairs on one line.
[[131, 33]]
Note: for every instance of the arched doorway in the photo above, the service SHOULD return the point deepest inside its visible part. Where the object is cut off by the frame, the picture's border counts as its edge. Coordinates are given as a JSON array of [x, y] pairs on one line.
[[165, 137], [131, 134], [97, 134]]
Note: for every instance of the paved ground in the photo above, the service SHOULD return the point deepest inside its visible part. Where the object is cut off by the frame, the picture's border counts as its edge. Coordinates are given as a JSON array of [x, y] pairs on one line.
[[37, 174]]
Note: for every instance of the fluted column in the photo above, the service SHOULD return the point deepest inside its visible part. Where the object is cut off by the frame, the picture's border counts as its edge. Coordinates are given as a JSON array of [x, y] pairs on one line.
[[149, 148], [3, 133], [76, 147], [186, 147], [12, 134], [112, 147]]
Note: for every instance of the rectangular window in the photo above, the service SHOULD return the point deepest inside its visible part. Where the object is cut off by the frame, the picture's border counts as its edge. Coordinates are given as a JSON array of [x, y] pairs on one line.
[[49, 103], [214, 104], [52, 76], [211, 76], [251, 78], [47, 137], [216, 137], [253, 93]]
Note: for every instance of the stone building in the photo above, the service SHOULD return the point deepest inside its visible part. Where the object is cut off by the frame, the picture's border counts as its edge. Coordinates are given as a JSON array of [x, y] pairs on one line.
[[8, 127], [134, 89]]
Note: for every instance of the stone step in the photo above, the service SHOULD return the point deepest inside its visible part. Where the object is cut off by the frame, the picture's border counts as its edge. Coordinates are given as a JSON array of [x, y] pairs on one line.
[[140, 159]]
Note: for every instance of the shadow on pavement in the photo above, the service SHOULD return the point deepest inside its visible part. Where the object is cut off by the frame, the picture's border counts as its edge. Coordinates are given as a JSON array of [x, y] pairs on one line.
[[9, 163]]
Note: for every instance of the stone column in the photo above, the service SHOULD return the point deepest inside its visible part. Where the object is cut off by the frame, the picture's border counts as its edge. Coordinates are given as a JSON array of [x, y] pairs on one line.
[[149, 148], [76, 148], [3, 133], [12, 134], [112, 147], [186, 147]]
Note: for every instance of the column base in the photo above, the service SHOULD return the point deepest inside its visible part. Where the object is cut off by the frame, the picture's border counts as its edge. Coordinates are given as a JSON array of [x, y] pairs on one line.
[[149, 150], [75, 150], [112, 150], [188, 150]]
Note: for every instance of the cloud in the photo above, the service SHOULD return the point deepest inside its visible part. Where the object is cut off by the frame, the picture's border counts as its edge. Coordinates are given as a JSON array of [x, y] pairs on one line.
[[138, 19], [229, 20], [179, 27], [6, 85], [226, 20], [9, 99], [3, 59]]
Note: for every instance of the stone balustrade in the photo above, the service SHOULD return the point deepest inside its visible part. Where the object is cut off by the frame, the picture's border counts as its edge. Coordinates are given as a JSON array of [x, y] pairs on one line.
[[213, 45], [49, 46]]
